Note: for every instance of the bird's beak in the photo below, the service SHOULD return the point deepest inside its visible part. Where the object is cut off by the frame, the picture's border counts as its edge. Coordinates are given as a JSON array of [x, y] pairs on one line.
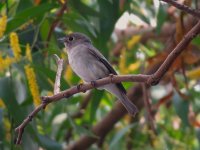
[[62, 39]]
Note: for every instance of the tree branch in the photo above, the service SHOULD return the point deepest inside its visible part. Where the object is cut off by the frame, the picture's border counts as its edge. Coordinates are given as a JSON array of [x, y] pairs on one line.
[[155, 78], [194, 12], [56, 21], [58, 74]]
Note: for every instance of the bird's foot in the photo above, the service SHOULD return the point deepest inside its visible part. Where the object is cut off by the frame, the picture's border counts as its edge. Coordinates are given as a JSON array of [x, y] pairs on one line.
[[79, 88], [111, 77], [45, 99], [93, 83]]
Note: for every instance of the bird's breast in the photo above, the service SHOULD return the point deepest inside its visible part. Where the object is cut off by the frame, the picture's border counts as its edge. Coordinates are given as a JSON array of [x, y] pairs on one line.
[[84, 64]]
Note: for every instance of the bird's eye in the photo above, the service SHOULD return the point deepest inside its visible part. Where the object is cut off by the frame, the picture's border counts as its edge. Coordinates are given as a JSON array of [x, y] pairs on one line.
[[71, 38]]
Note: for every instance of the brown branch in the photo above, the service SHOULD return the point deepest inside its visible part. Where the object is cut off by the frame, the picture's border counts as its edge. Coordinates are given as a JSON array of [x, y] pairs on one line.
[[147, 105], [149, 79], [194, 12], [56, 21], [174, 54], [20, 129]]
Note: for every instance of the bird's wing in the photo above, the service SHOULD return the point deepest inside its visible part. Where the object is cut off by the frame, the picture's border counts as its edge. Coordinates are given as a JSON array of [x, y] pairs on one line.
[[103, 60]]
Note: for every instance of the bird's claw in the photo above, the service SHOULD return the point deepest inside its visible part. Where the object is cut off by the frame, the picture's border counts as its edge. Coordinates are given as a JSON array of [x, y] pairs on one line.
[[93, 83], [79, 87], [111, 77], [45, 100]]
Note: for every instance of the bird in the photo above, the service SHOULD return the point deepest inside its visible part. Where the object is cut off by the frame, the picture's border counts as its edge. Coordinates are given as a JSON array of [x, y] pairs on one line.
[[90, 65]]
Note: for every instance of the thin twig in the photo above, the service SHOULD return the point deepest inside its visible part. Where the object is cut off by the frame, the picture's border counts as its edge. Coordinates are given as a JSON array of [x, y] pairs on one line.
[[58, 74], [156, 77], [56, 21], [194, 12], [147, 105]]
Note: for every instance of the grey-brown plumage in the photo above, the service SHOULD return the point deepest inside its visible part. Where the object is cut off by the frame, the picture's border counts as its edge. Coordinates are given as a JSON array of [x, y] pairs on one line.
[[90, 65]]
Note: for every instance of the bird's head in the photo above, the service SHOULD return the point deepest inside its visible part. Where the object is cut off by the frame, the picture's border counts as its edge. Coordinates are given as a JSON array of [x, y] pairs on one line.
[[74, 39]]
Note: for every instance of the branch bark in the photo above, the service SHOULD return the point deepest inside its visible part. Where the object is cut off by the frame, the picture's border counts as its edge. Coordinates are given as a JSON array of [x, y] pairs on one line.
[[194, 12]]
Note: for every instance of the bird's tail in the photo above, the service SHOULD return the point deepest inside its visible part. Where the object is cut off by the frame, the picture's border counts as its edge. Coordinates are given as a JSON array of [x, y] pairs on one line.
[[130, 107]]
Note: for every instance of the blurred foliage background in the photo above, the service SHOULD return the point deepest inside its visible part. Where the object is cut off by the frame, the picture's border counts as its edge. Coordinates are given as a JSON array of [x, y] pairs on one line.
[[135, 36]]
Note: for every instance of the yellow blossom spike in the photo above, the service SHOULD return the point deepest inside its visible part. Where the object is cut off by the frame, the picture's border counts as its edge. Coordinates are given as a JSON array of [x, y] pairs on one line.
[[30, 74], [3, 24], [14, 43], [133, 41], [7, 126], [5, 62], [2, 105], [28, 52], [26, 24], [62, 1], [134, 66], [122, 61], [194, 74], [68, 74]]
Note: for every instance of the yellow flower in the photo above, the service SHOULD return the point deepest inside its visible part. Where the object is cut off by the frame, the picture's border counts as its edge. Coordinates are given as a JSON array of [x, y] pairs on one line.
[[2, 105], [122, 61], [14, 43], [62, 1], [133, 41], [194, 74], [25, 25], [134, 66], [28, 52], [68, 74], [5, 62], [7, 126], [30, 74], [3, 23]]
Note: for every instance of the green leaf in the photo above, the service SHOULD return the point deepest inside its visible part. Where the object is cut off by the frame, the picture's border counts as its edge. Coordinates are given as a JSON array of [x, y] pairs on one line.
[[48, 143], [2, 130], [23, 4], [182, 108], [107, 22], [196, 41], [44, 29], [83, 9], [198, 134], [27, 14], [136, 10], [161, 18], [19, 90], [119, 135], [8, 97], [95, 101], [80, 130], [74, 21]]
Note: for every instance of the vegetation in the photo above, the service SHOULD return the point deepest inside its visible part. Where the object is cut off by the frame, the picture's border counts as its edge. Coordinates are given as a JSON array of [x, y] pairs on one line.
[[136, 37]]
